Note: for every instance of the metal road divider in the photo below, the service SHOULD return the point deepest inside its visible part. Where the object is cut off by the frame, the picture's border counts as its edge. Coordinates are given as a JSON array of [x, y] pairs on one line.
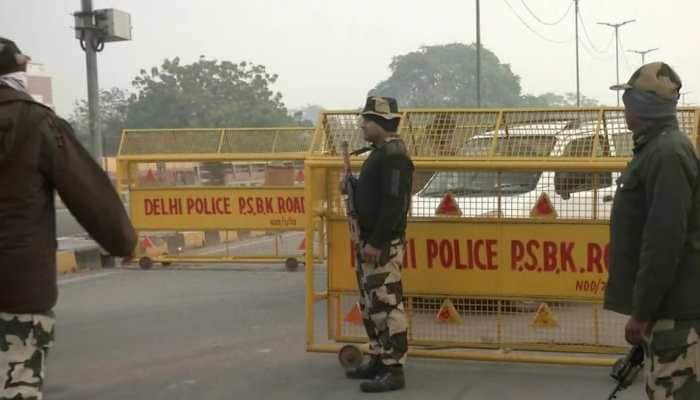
[[193, 192], [507, 243]]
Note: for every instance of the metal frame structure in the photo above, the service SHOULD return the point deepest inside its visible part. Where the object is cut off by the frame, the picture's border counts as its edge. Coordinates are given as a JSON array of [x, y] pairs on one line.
[[323, 164], [176, 147]]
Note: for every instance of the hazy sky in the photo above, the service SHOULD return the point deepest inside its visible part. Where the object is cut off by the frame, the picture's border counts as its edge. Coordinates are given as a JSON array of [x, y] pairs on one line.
[[331, 52]]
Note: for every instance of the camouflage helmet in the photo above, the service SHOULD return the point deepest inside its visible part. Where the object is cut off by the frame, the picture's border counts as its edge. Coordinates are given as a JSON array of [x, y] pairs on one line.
[[384, 107], [657, 77]]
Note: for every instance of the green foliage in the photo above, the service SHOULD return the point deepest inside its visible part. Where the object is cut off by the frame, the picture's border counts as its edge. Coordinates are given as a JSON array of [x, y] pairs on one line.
[[204, 94], [207, 93], [550, 99], [445, 76], [114, 104]]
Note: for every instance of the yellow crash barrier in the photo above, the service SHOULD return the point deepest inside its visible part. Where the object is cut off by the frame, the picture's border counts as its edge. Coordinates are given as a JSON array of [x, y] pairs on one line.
[[185, 185], [507, 244]]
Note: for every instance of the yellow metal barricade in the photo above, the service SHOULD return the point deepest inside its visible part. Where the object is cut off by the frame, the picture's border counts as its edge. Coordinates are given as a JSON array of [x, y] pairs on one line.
[[216, 195], [507, 242]]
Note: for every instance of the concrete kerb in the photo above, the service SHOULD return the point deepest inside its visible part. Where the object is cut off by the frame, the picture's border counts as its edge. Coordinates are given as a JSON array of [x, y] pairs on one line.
[[80, 254], [66, 262], [76, 254]]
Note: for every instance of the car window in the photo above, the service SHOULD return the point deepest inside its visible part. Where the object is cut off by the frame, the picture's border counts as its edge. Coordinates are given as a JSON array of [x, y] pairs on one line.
[[492, 183], [481, 183], [512, 146], [567, 182]]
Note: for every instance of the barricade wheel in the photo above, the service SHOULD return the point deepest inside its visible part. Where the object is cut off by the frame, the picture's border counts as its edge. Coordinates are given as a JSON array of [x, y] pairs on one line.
[[145, 263], [291, 264], [350, 357]]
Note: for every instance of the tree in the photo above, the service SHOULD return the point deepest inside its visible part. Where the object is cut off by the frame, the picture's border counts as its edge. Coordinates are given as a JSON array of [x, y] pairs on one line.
[[550, 99], [114, 104], [307, 115], [445, 76], [207, 93]]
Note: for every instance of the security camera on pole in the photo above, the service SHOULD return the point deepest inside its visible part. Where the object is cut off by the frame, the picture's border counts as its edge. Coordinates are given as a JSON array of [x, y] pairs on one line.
[[93, 28]]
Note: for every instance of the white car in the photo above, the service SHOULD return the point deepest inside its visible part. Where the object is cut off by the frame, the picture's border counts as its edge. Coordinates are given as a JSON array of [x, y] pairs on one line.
[[572, 194]]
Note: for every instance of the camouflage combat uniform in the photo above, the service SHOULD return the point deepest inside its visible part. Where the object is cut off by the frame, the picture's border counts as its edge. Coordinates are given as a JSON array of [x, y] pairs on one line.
[[381, 303], [39, 156], [655, 236], [25, 340], [672, 357], [383, 201]]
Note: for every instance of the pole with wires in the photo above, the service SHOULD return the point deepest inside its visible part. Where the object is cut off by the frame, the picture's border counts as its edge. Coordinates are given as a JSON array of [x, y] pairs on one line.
[[478, 54], [578, 73], [572, 4], [617, 50]]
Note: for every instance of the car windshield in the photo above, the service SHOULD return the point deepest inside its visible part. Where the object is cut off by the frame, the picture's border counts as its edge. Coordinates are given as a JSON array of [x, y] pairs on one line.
[[480, 183]]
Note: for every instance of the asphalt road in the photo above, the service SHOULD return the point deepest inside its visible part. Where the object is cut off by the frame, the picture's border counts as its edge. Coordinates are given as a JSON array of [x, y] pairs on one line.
[[238, 333]]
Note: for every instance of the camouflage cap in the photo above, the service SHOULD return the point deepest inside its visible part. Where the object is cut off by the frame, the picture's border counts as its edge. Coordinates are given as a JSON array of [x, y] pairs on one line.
[[657, 77], [11, 56], [385, 107]]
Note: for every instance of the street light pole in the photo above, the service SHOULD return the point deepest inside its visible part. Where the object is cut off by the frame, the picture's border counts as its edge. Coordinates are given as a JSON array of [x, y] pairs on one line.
[[643, 53], [578, 76], [617, 50], [478, 54], [683, 94]]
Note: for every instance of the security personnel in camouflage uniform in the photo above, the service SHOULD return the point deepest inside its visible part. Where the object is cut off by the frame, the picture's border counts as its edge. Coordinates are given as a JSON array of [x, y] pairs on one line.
[[39, 155], [655, 238], [382, 201]]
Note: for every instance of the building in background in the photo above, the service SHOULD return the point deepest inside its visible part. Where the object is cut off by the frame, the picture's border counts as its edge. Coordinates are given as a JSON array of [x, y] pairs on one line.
[[39, 83]]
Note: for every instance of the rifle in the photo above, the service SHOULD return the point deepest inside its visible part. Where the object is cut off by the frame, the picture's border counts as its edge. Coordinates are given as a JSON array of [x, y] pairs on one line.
[[626, 369], [350, 184]]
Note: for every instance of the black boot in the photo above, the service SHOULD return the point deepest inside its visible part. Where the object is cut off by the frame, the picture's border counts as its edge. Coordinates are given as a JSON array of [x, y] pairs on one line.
[[367, 371], [391, 379]]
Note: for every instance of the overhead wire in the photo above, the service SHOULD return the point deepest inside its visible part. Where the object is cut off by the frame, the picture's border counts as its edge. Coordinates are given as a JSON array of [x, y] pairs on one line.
[[624, 56], [610, 42], [531, 29], [590, 52], [588, 37], [557, 22]]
